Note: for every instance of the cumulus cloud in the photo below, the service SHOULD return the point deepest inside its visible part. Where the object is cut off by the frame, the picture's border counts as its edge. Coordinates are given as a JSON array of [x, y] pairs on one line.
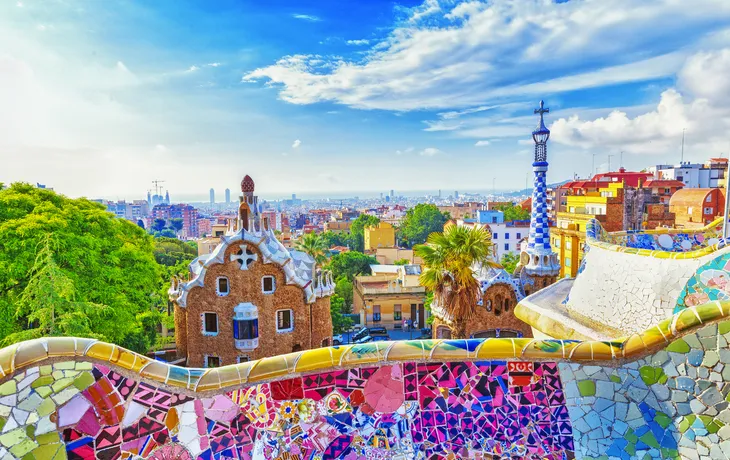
[[214, 64], [404, 151], [429, 152], [482, 143], [698, 105], [192, 68], [306, 17], [358, 42], [456, 54], [296, 144]]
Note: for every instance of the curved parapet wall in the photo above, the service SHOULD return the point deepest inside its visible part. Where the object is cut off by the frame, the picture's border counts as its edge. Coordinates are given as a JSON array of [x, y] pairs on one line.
[[622, 289], [652, 394]]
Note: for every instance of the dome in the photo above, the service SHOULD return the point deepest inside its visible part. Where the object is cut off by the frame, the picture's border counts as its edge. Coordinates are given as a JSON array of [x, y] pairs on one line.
[[247, 184]]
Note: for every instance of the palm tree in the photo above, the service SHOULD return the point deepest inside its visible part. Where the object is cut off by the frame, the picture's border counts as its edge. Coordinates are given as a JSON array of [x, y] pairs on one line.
[[314, 245], [450, 259]]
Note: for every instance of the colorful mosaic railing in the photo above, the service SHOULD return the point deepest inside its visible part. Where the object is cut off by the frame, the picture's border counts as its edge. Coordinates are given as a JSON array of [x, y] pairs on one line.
[[79, 398], [660, 243]]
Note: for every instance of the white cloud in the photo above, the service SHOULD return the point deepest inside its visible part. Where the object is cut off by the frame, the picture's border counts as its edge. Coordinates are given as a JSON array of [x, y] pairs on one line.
[[463, 54], [358, 42], [214, 64], [482, 143], [306, 17], [296, 144], [192, 68], [404, 151], [159, 148], [700, 107], [429, 152], [41, 27]]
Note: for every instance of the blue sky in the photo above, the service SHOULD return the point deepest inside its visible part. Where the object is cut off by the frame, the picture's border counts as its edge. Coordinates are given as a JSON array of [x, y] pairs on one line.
[[100, 98]]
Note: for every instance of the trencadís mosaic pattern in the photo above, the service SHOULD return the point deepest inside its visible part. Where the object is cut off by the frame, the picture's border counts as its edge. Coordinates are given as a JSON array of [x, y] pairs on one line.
[[672, 404], [80, 410], [710, 282]]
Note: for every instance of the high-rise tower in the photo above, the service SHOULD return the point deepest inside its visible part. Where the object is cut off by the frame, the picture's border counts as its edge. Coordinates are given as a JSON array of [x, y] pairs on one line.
[[537, 259], [212, 197]]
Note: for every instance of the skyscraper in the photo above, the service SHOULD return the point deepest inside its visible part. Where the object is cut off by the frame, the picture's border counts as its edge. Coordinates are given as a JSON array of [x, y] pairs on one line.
[[212, 197], [228, 195], [392, 193]]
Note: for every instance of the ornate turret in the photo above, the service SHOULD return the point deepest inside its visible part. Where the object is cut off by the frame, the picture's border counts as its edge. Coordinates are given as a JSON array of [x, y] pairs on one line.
[[248, 210], [537, 258]]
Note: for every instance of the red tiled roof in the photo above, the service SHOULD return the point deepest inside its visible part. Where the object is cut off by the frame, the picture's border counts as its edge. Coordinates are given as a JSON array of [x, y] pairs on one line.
[[663, 183], [631, 178]]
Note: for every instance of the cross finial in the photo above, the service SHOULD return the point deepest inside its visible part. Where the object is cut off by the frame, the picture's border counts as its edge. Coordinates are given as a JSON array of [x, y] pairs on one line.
[[542, 109]]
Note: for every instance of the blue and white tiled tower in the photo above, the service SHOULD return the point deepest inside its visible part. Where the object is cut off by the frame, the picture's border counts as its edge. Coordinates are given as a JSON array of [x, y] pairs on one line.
[[537, 257]]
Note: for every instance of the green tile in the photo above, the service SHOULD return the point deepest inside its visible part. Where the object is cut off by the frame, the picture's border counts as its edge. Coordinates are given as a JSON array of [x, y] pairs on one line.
[[724, 327], [649, 439], [44, 391], [84, 381], [60, 384], [46, 370], [46, 407], [42, 381], [587, 387], [679, 346], [662, 419], [8, 388], [615, 378]]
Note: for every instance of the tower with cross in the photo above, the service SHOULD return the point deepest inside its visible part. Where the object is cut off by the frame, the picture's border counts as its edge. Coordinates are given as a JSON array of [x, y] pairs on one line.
[[537, 259]]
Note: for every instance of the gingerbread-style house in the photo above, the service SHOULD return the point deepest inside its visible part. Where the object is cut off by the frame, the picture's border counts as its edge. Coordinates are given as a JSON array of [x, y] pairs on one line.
[[251, 297]]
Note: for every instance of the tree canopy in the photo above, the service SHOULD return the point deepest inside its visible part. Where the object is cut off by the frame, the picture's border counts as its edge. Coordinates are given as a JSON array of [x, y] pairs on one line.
[[357, 230], [509, 261], [449, 258], [339, 322], [68, 267], [350, 264], [419, 222], [314, 245], [514, 212]]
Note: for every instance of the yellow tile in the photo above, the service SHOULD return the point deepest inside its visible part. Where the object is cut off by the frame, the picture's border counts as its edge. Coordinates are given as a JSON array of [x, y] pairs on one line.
[[686, 320], [229, 376], [155, 370], [30, 352], [406, 350], [652, 338], [603, 351], [338, 352], [209, 381], [543, 349], [318, 358], [364, 353], [100, 350], [268, 368], [61, 346], [447, 350], [582, 352], [6, 358], [633, 346], [709, 311], [497, 349], [82, 344]]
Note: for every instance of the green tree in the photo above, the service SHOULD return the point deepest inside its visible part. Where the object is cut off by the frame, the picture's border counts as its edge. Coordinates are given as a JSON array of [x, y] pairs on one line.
[[509, 261], [176, 224], [158, 225], [339, 322], [419, 222], [350, 264], [343, 288], [95, 259], [450, 258], [402, 262], [171, 251], [514, 212], [357, 230], [312, 244], [336, 239]]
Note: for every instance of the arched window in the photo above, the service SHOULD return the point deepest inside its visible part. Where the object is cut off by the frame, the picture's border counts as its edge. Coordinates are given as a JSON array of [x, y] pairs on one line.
[[246, 326]]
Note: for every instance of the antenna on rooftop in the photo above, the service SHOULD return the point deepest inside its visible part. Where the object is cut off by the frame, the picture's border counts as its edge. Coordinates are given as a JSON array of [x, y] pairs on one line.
[[609, 162]]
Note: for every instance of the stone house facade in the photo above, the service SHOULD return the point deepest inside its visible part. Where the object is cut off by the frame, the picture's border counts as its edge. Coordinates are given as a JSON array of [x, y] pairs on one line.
[[251, 297]]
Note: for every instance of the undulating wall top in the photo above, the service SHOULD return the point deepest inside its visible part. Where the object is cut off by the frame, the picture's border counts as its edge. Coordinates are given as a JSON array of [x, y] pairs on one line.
[[549, 399]]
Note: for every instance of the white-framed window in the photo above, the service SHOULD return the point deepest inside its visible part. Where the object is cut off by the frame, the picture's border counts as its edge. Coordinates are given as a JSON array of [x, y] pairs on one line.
[[242, 359], [222, 286], [495, 236], [708, 199], [210, 323], [506, 236], [519, 235], [506, 247], [212, 361], [689, 210], [709, 210], [268, 284], [284, 320]]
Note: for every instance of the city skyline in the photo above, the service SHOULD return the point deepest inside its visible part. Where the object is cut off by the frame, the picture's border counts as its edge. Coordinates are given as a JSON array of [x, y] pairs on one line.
[[316, 101]]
